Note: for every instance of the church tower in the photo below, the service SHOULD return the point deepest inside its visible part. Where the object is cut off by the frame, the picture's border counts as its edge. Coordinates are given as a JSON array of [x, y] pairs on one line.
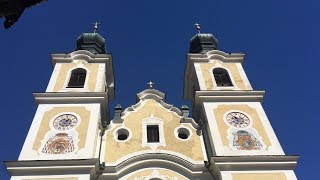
[[63, 140], [240, 142]]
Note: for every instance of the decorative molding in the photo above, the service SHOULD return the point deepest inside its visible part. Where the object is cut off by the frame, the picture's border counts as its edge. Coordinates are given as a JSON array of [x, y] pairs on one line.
[[161, 159], [156, 174], [158, 97], [257, 162], [228, 96], [216, 55], [58, 167], [152, 121]]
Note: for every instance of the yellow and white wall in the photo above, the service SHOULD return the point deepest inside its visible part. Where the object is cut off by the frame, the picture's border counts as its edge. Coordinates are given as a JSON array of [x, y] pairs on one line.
[[221, 132], [84, 134]]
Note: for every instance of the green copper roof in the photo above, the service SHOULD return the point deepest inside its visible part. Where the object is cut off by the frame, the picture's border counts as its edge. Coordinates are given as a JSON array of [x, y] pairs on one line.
[[202, 43], [92, 42]]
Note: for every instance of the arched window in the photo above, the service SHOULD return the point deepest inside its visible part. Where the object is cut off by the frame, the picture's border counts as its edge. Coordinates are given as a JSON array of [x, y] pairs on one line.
[[222, 77], [77, 78]]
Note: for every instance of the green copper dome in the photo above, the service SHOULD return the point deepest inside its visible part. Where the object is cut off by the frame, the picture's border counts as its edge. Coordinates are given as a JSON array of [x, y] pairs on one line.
[[202, 43], [92, 42]]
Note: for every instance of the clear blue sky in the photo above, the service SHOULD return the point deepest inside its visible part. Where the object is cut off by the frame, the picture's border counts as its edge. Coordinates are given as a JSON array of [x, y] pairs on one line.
[[149, 40]]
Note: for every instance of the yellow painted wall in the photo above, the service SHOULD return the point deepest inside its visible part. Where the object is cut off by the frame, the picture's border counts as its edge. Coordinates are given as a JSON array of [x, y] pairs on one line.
[[220, 111], [191, 148], [163, 173], [66, 67], [48, 115], [258, 176], [206, 69]]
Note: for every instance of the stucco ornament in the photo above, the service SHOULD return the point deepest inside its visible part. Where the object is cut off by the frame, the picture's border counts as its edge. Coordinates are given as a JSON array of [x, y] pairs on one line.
[[156, 174]]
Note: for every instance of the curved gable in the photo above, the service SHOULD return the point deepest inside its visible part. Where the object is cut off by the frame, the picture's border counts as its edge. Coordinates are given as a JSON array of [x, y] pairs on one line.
[[151, 110]]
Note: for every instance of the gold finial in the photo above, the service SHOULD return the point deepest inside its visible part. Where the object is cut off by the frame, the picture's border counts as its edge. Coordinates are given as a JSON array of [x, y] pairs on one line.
[[150, 83], [198, 27], [95, 27]]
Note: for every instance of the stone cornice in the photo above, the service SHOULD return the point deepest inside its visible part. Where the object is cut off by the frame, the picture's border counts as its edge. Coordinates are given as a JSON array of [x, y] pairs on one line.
[[228, 96], [216, 55], [75, 98], [45, 167], [70, 97], [265, 162], [80, 55]]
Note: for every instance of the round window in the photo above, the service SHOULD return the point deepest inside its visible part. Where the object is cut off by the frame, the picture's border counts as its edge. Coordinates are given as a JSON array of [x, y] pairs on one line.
[[122, 134], [183, 133]]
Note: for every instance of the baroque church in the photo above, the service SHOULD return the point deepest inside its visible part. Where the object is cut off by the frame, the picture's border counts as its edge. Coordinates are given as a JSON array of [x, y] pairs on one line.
[[224, 135]]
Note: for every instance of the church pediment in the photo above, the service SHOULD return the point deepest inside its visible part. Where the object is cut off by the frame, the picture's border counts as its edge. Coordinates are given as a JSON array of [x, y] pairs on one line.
[[153, 126]]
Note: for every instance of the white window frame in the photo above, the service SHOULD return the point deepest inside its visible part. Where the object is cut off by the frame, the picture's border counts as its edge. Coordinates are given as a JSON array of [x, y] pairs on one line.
[[215, 86], [152, 121], [86, 83]]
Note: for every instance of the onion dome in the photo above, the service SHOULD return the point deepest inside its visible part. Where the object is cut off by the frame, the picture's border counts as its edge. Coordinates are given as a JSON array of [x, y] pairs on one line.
[[202, 43], [92, 42]]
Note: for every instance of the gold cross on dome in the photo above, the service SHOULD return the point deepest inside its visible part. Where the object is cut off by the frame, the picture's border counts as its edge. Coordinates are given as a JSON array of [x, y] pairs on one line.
[[150, 83], [95, 27], [198, 27]]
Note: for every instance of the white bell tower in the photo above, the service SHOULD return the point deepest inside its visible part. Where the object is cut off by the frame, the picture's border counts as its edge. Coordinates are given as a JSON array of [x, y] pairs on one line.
[[238, 135], [63, 140]]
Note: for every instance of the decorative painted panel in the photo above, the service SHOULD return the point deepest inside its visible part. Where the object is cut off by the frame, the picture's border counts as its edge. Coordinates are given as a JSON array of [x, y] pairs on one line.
[[244, 140], [61, 143]]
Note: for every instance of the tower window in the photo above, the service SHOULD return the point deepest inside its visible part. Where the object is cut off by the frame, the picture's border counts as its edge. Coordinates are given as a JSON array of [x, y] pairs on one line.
[[222, 77], [153, 133], [77, 78]]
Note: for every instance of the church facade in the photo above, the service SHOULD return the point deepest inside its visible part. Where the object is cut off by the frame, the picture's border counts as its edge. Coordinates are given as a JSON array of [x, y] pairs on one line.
[[227, 137]]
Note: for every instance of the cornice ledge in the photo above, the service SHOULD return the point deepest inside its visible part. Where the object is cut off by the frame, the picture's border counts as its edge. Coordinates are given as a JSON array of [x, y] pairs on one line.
[[265, 162], [80, 55], [217, 54], [190, 121], [229, 96], [156, 159], [150, 94], [70, 97], [38, 167]]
